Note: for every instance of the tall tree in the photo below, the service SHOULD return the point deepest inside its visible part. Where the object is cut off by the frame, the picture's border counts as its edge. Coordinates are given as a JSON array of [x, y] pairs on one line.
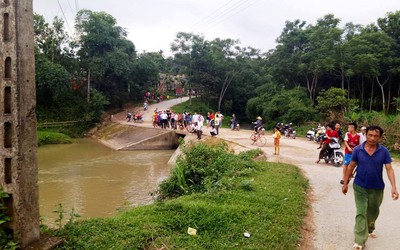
[[108, 56]]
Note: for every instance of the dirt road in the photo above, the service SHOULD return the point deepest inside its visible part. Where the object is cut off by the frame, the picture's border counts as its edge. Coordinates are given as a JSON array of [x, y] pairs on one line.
[[333, 212]]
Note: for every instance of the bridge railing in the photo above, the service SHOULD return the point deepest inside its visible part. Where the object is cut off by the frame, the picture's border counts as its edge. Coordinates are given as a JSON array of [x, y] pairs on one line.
[[57, 124]]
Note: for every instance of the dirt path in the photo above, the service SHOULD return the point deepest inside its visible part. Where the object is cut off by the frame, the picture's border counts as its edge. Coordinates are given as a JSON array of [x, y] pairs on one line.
[[333, 213]]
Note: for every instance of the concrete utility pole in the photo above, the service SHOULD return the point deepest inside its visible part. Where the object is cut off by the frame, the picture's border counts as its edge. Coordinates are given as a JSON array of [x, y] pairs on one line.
[[18, 142]]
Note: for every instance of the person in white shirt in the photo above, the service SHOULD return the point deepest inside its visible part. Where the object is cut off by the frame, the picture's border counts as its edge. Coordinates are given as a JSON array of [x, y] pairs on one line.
[[201, 121], [213, 131], [217, 123], [198, 130], [195, 117], [176, 120], [221, 117], [363, 136], [164, 120]]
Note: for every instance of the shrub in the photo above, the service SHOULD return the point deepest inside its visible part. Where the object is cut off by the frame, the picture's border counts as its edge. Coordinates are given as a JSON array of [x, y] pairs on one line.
[[203, 168], [47, 137], [389, 123]]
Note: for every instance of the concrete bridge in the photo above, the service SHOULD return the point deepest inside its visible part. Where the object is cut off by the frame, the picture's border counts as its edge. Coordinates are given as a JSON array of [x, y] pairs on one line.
[[128, 137]]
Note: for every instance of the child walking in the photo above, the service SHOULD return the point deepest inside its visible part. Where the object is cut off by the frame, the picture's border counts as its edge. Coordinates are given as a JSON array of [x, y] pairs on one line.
[[277, 138]]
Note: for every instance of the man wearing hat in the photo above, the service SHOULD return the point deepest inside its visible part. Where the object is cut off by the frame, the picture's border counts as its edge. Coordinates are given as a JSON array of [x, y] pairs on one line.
[[258, 124], [363, 136]]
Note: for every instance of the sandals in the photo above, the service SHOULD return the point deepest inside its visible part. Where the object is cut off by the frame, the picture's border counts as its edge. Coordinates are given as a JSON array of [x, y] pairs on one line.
[[357, 247], [372, 235]]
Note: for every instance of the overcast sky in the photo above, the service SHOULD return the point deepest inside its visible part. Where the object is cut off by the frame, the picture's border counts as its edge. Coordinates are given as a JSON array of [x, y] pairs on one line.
[[152, 24]]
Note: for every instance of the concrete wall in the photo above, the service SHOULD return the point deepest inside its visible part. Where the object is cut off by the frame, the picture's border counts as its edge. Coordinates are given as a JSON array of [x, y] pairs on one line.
[[18, 162], [168, 140]]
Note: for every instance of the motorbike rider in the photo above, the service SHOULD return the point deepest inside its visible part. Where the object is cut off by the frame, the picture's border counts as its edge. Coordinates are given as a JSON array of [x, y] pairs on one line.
[[258, 125], [339, 131], [233, 122], [330, 133]]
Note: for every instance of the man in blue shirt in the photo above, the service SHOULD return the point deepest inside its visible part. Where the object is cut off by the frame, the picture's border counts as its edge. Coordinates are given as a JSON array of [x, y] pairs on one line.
[[370, 157]]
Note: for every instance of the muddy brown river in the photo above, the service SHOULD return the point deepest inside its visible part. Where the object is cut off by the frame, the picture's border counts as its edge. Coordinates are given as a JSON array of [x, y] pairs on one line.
[[95, 180]]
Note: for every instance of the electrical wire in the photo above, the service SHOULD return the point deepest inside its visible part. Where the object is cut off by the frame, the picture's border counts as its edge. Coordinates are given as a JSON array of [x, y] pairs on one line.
[[76, 6], [222, 13], [211, 14], [224, 19], [70, 6], [66, 21]]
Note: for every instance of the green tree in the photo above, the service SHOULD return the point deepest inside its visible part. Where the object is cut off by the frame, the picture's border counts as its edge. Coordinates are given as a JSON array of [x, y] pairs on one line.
[[109, 58], [332, 103], [321, 57], [275, 105]]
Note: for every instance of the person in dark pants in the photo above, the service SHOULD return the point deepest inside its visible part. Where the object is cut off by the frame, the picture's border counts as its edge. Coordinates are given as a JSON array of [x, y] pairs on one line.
[[330, 133], [198, 130], [369, 157]]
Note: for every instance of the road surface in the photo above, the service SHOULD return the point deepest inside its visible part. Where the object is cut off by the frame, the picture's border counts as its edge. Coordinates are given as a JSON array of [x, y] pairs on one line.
[[332, 212]]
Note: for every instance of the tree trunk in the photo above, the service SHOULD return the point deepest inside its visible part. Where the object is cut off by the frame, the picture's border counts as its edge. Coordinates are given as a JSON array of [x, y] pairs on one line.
[[315, 81], [225, 86], [348, 88], [381, 85], [389, 95], [342, 75], [372, 95], [362, 93], [309, 88], [88, 87]]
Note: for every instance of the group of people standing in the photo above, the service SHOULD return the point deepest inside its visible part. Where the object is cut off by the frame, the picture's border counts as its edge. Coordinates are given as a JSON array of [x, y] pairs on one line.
[[190, 122], [169, 119], [364, 159]]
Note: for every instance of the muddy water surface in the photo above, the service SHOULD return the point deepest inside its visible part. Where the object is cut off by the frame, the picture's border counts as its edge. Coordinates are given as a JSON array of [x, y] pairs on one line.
[[95, 180]]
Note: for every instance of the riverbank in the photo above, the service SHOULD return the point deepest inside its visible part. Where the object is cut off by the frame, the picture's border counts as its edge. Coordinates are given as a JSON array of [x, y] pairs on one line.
[[49, 137], [266, 200]]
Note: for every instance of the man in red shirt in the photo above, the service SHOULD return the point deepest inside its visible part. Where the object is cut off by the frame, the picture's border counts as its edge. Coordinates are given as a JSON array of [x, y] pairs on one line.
[[351, 140], [330, 133]]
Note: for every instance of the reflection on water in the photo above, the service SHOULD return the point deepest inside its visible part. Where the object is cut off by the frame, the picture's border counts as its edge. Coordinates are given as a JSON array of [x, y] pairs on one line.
[[96, 180]]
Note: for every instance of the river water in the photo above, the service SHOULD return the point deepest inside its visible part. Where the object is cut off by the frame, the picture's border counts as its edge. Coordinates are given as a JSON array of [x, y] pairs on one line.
[[97, 181]]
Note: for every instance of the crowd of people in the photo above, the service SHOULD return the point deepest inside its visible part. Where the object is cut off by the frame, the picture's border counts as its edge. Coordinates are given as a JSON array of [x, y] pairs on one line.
[[194, 123]]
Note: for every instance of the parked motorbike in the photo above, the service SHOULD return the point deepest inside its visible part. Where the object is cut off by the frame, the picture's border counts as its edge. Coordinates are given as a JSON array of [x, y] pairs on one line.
[[291, 133], [138, 118], [333, 154], [310, 134], [288, 131], [236, 127]]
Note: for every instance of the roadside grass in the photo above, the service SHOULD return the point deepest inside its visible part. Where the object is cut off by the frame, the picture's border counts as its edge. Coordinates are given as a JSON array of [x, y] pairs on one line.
[[50, 137], [395, 154], [267, 200], [196, 106]]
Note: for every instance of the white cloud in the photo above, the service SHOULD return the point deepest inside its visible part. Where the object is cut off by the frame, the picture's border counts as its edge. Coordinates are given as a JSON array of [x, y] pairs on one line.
[[153, 24]]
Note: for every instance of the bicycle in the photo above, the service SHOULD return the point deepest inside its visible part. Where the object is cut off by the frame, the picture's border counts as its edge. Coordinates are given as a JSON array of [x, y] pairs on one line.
[[259, 139]]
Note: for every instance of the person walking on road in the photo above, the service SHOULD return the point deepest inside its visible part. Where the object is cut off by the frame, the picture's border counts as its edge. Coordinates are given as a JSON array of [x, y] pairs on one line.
[[370, 157], [351, 140]]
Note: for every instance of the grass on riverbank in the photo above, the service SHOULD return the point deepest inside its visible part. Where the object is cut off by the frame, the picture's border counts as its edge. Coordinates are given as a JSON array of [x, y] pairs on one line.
[[264, 199], [49, 137]]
